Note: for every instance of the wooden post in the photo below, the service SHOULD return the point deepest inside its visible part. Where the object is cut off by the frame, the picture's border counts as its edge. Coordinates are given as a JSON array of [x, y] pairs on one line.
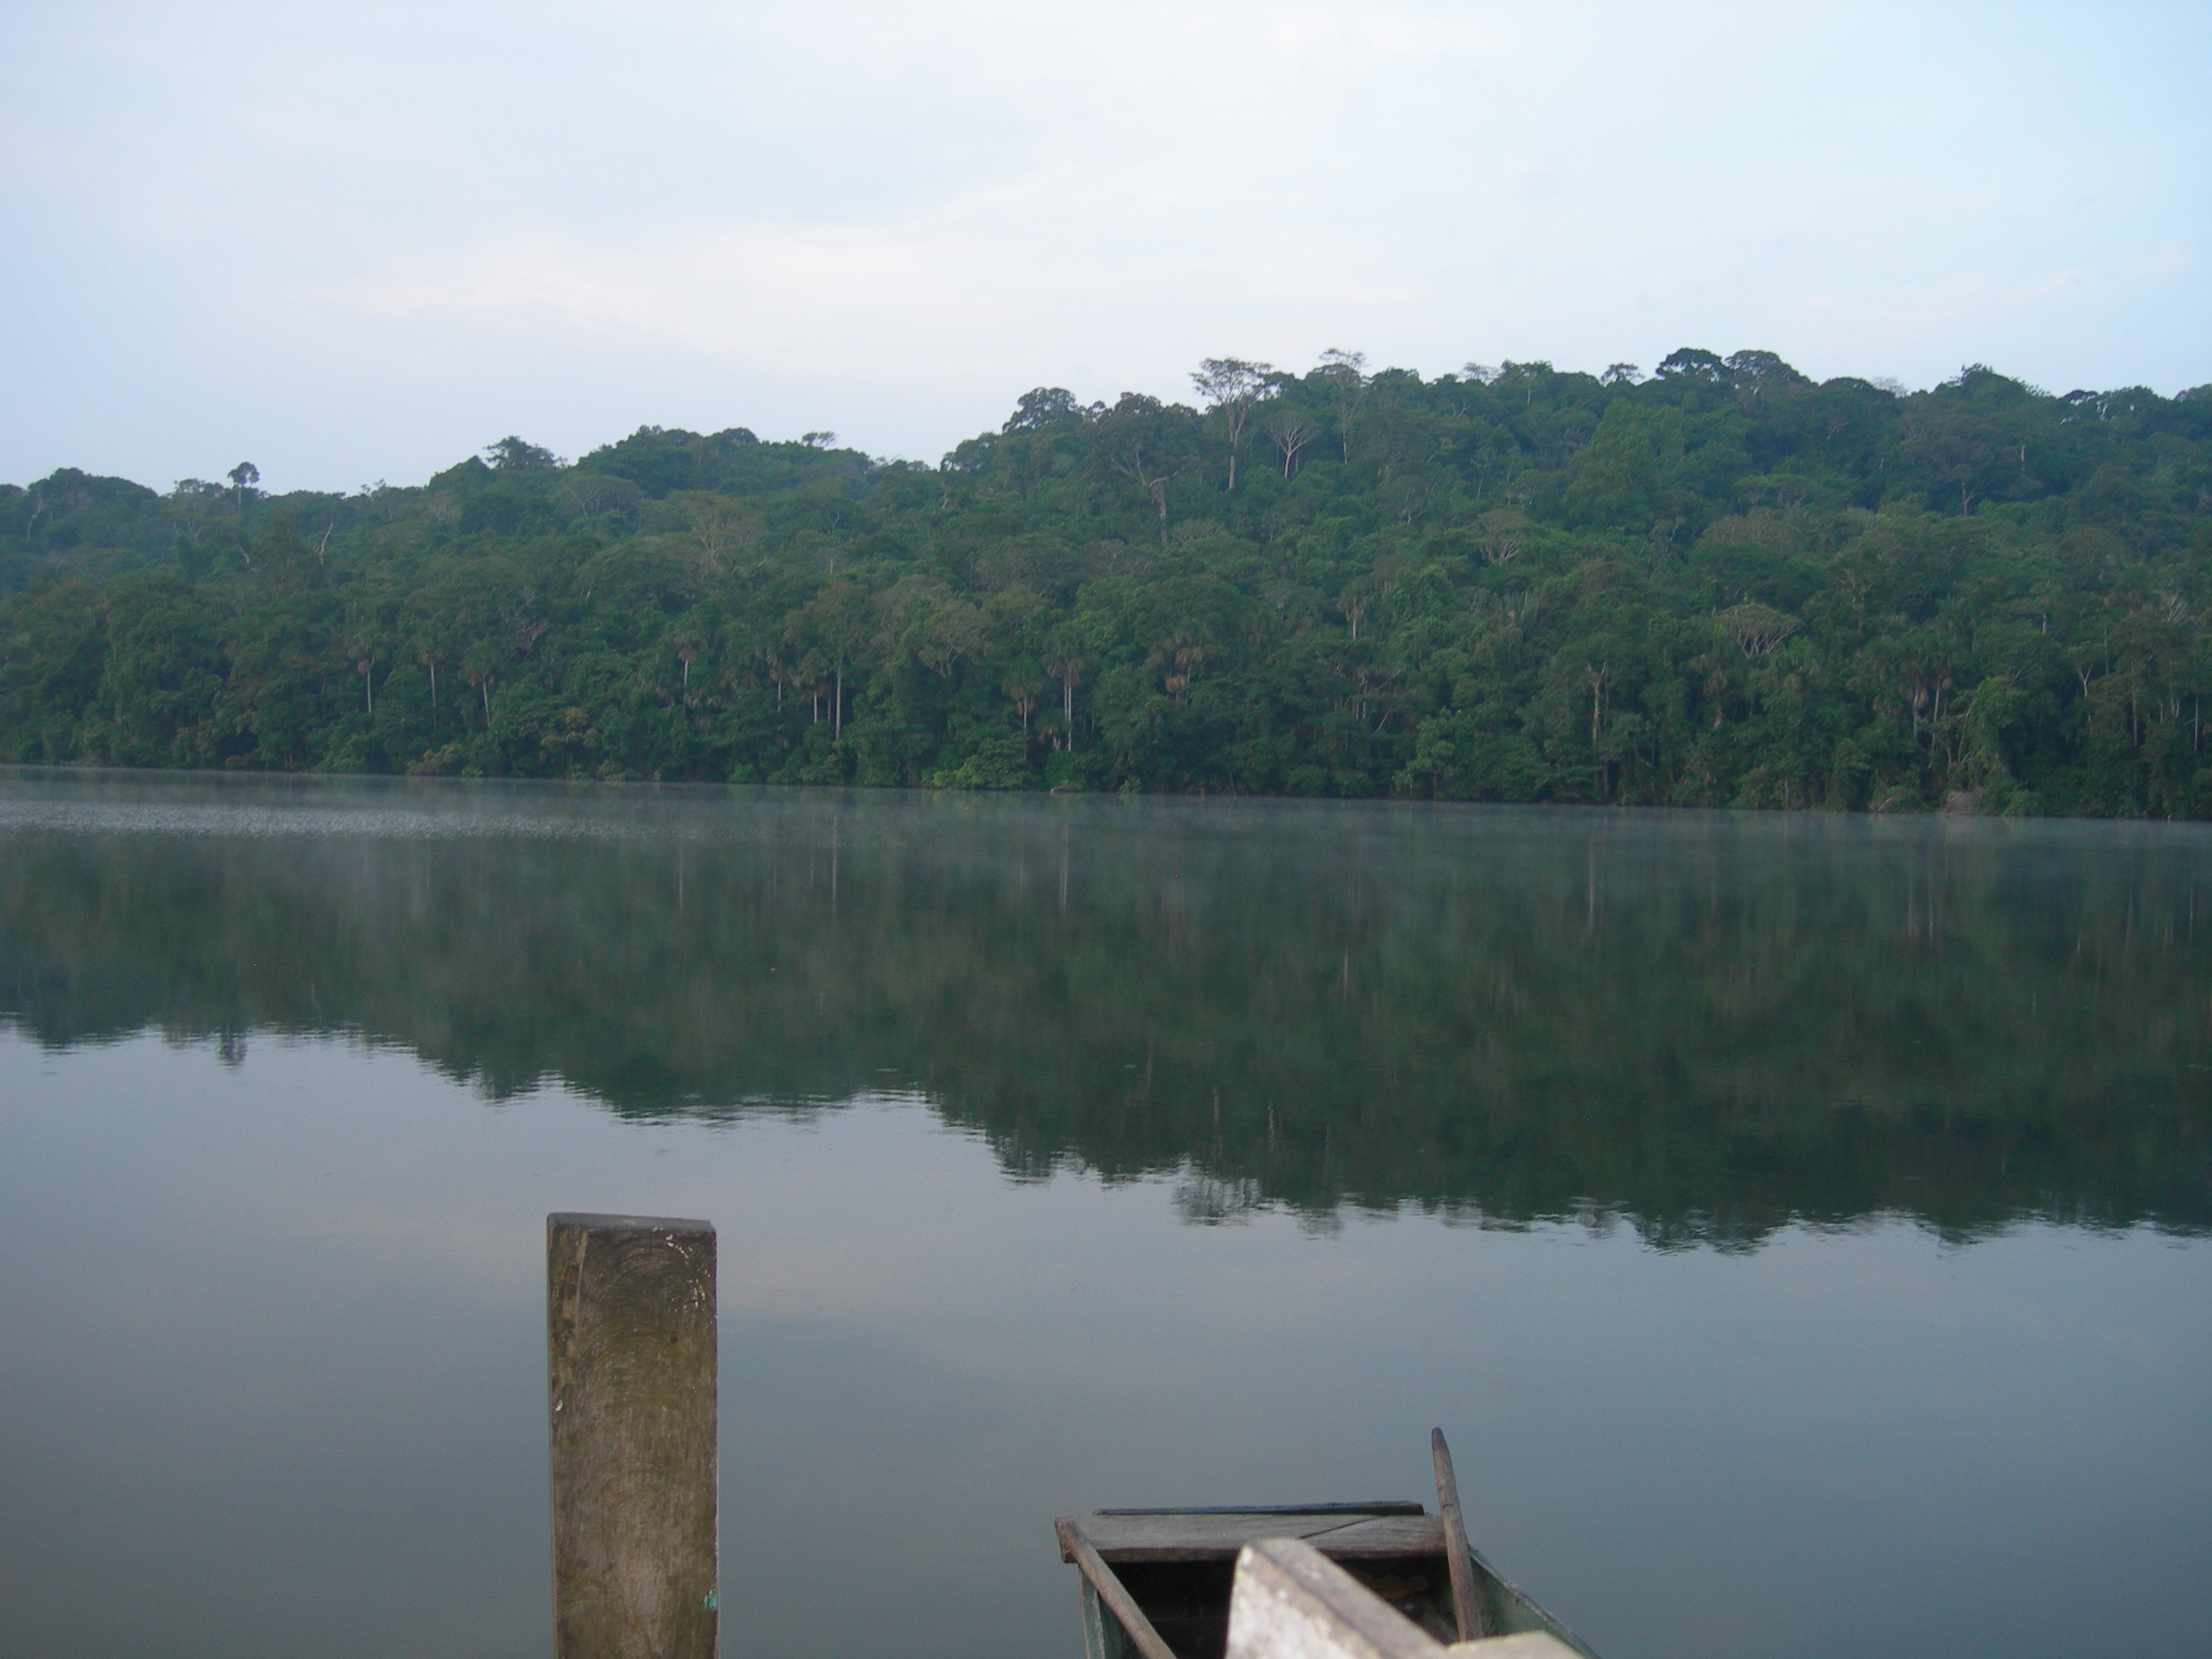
[[629, 1346]]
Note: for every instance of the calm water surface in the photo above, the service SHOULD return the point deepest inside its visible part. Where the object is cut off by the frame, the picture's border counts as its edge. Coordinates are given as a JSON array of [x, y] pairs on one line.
[[1798, 1224]]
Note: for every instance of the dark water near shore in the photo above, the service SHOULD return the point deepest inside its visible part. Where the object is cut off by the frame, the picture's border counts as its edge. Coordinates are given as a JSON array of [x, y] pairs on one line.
[[1798, 1223]]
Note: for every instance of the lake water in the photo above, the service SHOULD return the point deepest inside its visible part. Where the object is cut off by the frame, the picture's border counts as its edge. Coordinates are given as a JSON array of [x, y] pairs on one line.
[[1798, 1224]]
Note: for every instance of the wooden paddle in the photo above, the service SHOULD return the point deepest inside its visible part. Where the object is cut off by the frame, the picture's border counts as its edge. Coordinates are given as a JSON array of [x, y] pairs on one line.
[[1465, 1607]]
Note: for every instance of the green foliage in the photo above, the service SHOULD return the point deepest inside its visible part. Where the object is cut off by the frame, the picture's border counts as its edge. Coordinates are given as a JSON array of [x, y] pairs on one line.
[[1723, 585]]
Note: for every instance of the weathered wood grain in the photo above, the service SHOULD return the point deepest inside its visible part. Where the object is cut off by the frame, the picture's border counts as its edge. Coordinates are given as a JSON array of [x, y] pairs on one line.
[[1111, 1595], [1203, 1535], [1379, 1506], [631, 1386], [1465, 1607], [1102, 1631], [1290, 1601], [1527, 1644]]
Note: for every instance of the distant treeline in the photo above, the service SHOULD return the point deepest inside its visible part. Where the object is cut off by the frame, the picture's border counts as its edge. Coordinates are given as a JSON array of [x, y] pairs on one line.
[[1720, 585]]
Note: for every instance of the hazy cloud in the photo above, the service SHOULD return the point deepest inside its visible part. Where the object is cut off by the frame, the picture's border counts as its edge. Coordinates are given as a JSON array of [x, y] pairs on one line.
[[355, 243]]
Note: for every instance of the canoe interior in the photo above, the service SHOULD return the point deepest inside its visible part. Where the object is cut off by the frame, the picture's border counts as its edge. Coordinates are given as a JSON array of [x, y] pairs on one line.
[[1178, 1565]]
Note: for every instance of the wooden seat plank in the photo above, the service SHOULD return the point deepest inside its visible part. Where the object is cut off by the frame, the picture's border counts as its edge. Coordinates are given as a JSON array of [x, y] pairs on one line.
[[1129, 1537]]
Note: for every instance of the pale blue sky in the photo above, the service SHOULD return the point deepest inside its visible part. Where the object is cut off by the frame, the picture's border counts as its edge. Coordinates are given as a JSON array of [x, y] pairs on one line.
[[353, 244]]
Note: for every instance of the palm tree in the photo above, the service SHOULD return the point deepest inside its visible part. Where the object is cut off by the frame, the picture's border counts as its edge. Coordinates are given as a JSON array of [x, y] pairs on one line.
[[1067, 668], [1023, 689], [479, 667]]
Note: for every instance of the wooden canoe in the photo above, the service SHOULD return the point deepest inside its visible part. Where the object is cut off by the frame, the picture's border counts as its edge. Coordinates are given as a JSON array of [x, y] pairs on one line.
[[1154, 1583]]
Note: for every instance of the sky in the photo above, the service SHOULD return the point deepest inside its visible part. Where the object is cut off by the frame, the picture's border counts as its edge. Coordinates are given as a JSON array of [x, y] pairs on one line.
[[353, 244]]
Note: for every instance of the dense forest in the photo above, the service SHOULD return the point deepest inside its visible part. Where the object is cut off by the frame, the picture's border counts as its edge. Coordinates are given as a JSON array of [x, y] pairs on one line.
[[1719, 584]]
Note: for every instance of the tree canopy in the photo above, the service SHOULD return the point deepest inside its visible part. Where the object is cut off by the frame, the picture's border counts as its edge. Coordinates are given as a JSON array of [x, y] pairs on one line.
[[1719, 584]]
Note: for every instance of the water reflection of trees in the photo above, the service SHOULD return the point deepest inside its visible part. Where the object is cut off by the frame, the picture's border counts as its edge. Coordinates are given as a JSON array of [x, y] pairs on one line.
[[1709, 1026]]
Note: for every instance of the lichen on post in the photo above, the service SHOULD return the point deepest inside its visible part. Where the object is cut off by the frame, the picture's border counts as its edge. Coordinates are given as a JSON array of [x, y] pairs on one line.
[[631, 1395]]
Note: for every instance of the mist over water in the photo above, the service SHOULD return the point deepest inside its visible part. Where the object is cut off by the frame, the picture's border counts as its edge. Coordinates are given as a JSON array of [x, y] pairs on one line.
[[1771, 1207], [1707, 1024]]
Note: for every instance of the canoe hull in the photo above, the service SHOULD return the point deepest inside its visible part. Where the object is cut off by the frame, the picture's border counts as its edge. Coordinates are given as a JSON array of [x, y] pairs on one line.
[[1178, 1565]]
